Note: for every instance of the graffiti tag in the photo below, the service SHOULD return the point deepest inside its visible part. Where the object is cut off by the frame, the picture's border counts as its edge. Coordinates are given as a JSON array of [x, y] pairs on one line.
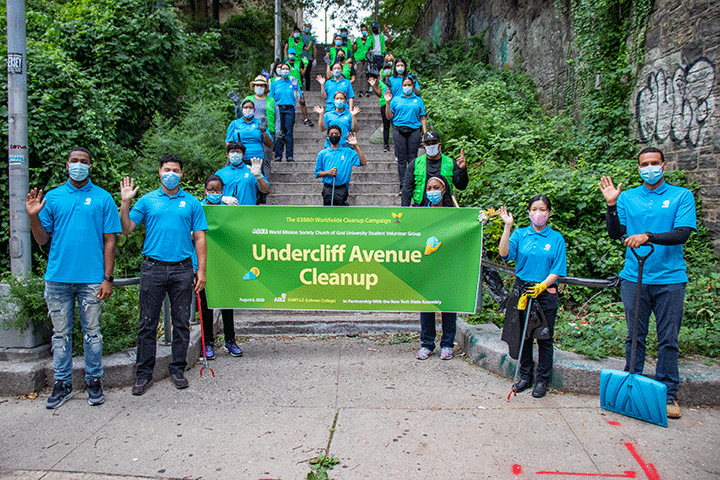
[[677, 105]]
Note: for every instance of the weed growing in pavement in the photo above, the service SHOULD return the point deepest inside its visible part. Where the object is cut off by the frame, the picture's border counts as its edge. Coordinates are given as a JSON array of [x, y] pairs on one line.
[[320, 465]]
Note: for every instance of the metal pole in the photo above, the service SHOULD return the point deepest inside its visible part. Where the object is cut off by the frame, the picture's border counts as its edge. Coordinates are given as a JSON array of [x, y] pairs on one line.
[[376, 13], [278, 31], [20, 258]]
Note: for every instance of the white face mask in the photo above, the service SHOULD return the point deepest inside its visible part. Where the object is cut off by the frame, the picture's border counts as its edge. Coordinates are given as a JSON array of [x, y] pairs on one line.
[[337, 72], [432, 150], [259, 90], [400, 70], [248, 112]]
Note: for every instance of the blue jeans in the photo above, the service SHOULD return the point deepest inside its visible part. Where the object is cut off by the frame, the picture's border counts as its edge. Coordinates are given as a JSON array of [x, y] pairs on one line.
[[427, 329], [666, 302], [156, 279], [287, 123], [60, 299]]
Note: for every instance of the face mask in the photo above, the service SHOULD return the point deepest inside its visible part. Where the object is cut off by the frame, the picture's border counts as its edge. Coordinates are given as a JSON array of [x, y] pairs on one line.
[[334, 139], [539, 219], [285, 73], [651, 174], [337, 72], [364, 33], [407, 89], [277, 70], [343, 34], [387, 71], [214, 198], [338, 42], [432, 150], [259, 90], [248, 112], [78, 171], [307, 29], [434, 196], [296, 34], [376, 30], [235, 158], [400, 70], [340, 58], [170, 179], [291, 56], [339, 104]]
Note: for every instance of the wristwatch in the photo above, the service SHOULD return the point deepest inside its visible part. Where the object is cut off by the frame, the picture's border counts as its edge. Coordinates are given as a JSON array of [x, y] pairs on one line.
[[109, 279]]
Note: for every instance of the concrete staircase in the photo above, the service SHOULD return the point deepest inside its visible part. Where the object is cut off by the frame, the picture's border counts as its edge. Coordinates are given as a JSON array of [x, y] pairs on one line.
[[294, 183]]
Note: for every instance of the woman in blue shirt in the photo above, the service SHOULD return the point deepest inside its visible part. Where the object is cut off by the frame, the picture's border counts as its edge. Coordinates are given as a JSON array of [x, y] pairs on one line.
[[395, 81], [540, 260], [249, 131], [407, 112]]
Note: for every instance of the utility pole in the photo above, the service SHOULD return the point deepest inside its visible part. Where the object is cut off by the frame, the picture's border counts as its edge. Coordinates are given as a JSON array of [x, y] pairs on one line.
[[20, 258], [376, 11], [278, 31]]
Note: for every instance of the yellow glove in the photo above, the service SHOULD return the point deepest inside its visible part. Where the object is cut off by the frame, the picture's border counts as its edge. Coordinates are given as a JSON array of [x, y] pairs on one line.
[[537, 289], [522, 303]]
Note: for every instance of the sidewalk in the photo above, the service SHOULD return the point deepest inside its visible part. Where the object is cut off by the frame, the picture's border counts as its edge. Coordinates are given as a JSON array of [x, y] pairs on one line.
[[381, 412]]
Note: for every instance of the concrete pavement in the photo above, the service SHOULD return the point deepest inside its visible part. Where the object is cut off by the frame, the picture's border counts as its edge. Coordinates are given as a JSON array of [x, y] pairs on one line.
[[263, 416]]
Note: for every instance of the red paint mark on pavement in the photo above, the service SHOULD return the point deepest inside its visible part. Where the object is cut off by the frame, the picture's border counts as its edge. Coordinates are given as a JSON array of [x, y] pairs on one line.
[[517, 469], [614, 423], [627, 474], [649, 469]]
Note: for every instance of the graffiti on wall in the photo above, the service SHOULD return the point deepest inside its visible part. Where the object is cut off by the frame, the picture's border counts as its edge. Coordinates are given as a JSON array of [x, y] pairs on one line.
[[677, 104]]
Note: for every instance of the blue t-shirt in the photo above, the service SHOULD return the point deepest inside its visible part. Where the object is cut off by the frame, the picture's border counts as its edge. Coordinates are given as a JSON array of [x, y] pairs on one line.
[[333, 86], [343, 119], [249, 134], [169, 221], [342, 158], [661, 210], [537, 254], [407, 111], [283, 91], [239, 182], [77, 218], [395, 84]]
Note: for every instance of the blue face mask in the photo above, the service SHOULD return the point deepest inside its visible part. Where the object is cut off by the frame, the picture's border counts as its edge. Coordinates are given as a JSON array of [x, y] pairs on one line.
[[339, 104], [78, 171], [285, 73], [296, 34], [434, 196], [365, 34], [338, 42], [343, 34], [651, 174], [407, 89], [214, 198], [307, 29], [235, 158], [170, 179]]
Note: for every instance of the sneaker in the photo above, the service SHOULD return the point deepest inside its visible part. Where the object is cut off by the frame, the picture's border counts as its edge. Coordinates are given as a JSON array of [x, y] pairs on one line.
[[673, 409], [446, 353], [423, 353], [179, 380], [210, 351], [290, 160], [95, 392], [62, 392], [232, 348], [386, 149], [309, 122], [278, 159], [141, 386]]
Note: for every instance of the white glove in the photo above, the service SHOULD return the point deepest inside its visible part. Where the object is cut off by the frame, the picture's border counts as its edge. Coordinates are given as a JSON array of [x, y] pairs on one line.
[[482, 218], [256, 167], [230, 200]]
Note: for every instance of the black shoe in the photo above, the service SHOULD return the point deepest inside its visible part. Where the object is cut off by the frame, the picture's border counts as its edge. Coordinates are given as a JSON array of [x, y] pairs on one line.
[[141, 386], [290, 160], [309, 122], [540, 389], [278, 159], [522, 385], [386, 148], [95, 392], [62, 392], [179, 380]]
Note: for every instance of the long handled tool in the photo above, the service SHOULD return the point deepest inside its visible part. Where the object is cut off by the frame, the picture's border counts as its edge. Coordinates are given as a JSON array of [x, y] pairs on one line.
[[628, 393], [513, 390], [202, 337], [332, 197]]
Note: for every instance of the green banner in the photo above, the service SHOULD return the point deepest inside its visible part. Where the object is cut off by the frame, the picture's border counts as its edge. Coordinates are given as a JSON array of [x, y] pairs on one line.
[[343, 258]]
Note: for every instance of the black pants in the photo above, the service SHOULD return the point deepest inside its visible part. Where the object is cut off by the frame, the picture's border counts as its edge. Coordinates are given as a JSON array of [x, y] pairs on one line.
[[406, 148], [156, 279], [549, 305], [306, 80], [339, 199], [207, 319], [386, 126]]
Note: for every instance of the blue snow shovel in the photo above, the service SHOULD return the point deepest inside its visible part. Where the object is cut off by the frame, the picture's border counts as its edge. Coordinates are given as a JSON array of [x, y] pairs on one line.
[[630, 393]]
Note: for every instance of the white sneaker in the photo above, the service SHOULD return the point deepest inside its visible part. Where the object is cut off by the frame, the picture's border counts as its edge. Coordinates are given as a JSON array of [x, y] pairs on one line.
[[423, 353]]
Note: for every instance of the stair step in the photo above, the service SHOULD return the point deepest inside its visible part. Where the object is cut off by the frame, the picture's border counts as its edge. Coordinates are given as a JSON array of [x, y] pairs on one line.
[[356, 199]]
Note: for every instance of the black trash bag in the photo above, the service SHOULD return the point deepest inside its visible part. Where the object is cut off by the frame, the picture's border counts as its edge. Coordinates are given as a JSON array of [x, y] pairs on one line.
[[515, 322]]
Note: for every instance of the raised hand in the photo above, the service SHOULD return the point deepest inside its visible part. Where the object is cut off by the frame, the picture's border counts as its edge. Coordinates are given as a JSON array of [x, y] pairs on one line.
[[127, 192], [505, 216], [263, 125], [372, 81], [318, 109], [33, 205], [320, 79], [461, 159], [355, 110], [256, 166], [388, 95], [609, 191]]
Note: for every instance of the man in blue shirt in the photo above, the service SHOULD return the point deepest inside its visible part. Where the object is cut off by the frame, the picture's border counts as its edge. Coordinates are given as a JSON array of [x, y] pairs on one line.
[[334, 165], [172, 218], [239, 180], [80, 220], [663, 215]]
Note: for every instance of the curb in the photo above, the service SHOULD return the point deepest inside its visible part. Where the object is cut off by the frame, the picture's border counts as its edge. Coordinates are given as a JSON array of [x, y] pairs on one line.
[[699, 383], [22, 378]]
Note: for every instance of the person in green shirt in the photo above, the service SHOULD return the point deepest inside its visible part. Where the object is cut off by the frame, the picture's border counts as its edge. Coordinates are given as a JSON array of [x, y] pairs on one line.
[[309, 53], [294, 41], [378, 45], [361, 47]]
